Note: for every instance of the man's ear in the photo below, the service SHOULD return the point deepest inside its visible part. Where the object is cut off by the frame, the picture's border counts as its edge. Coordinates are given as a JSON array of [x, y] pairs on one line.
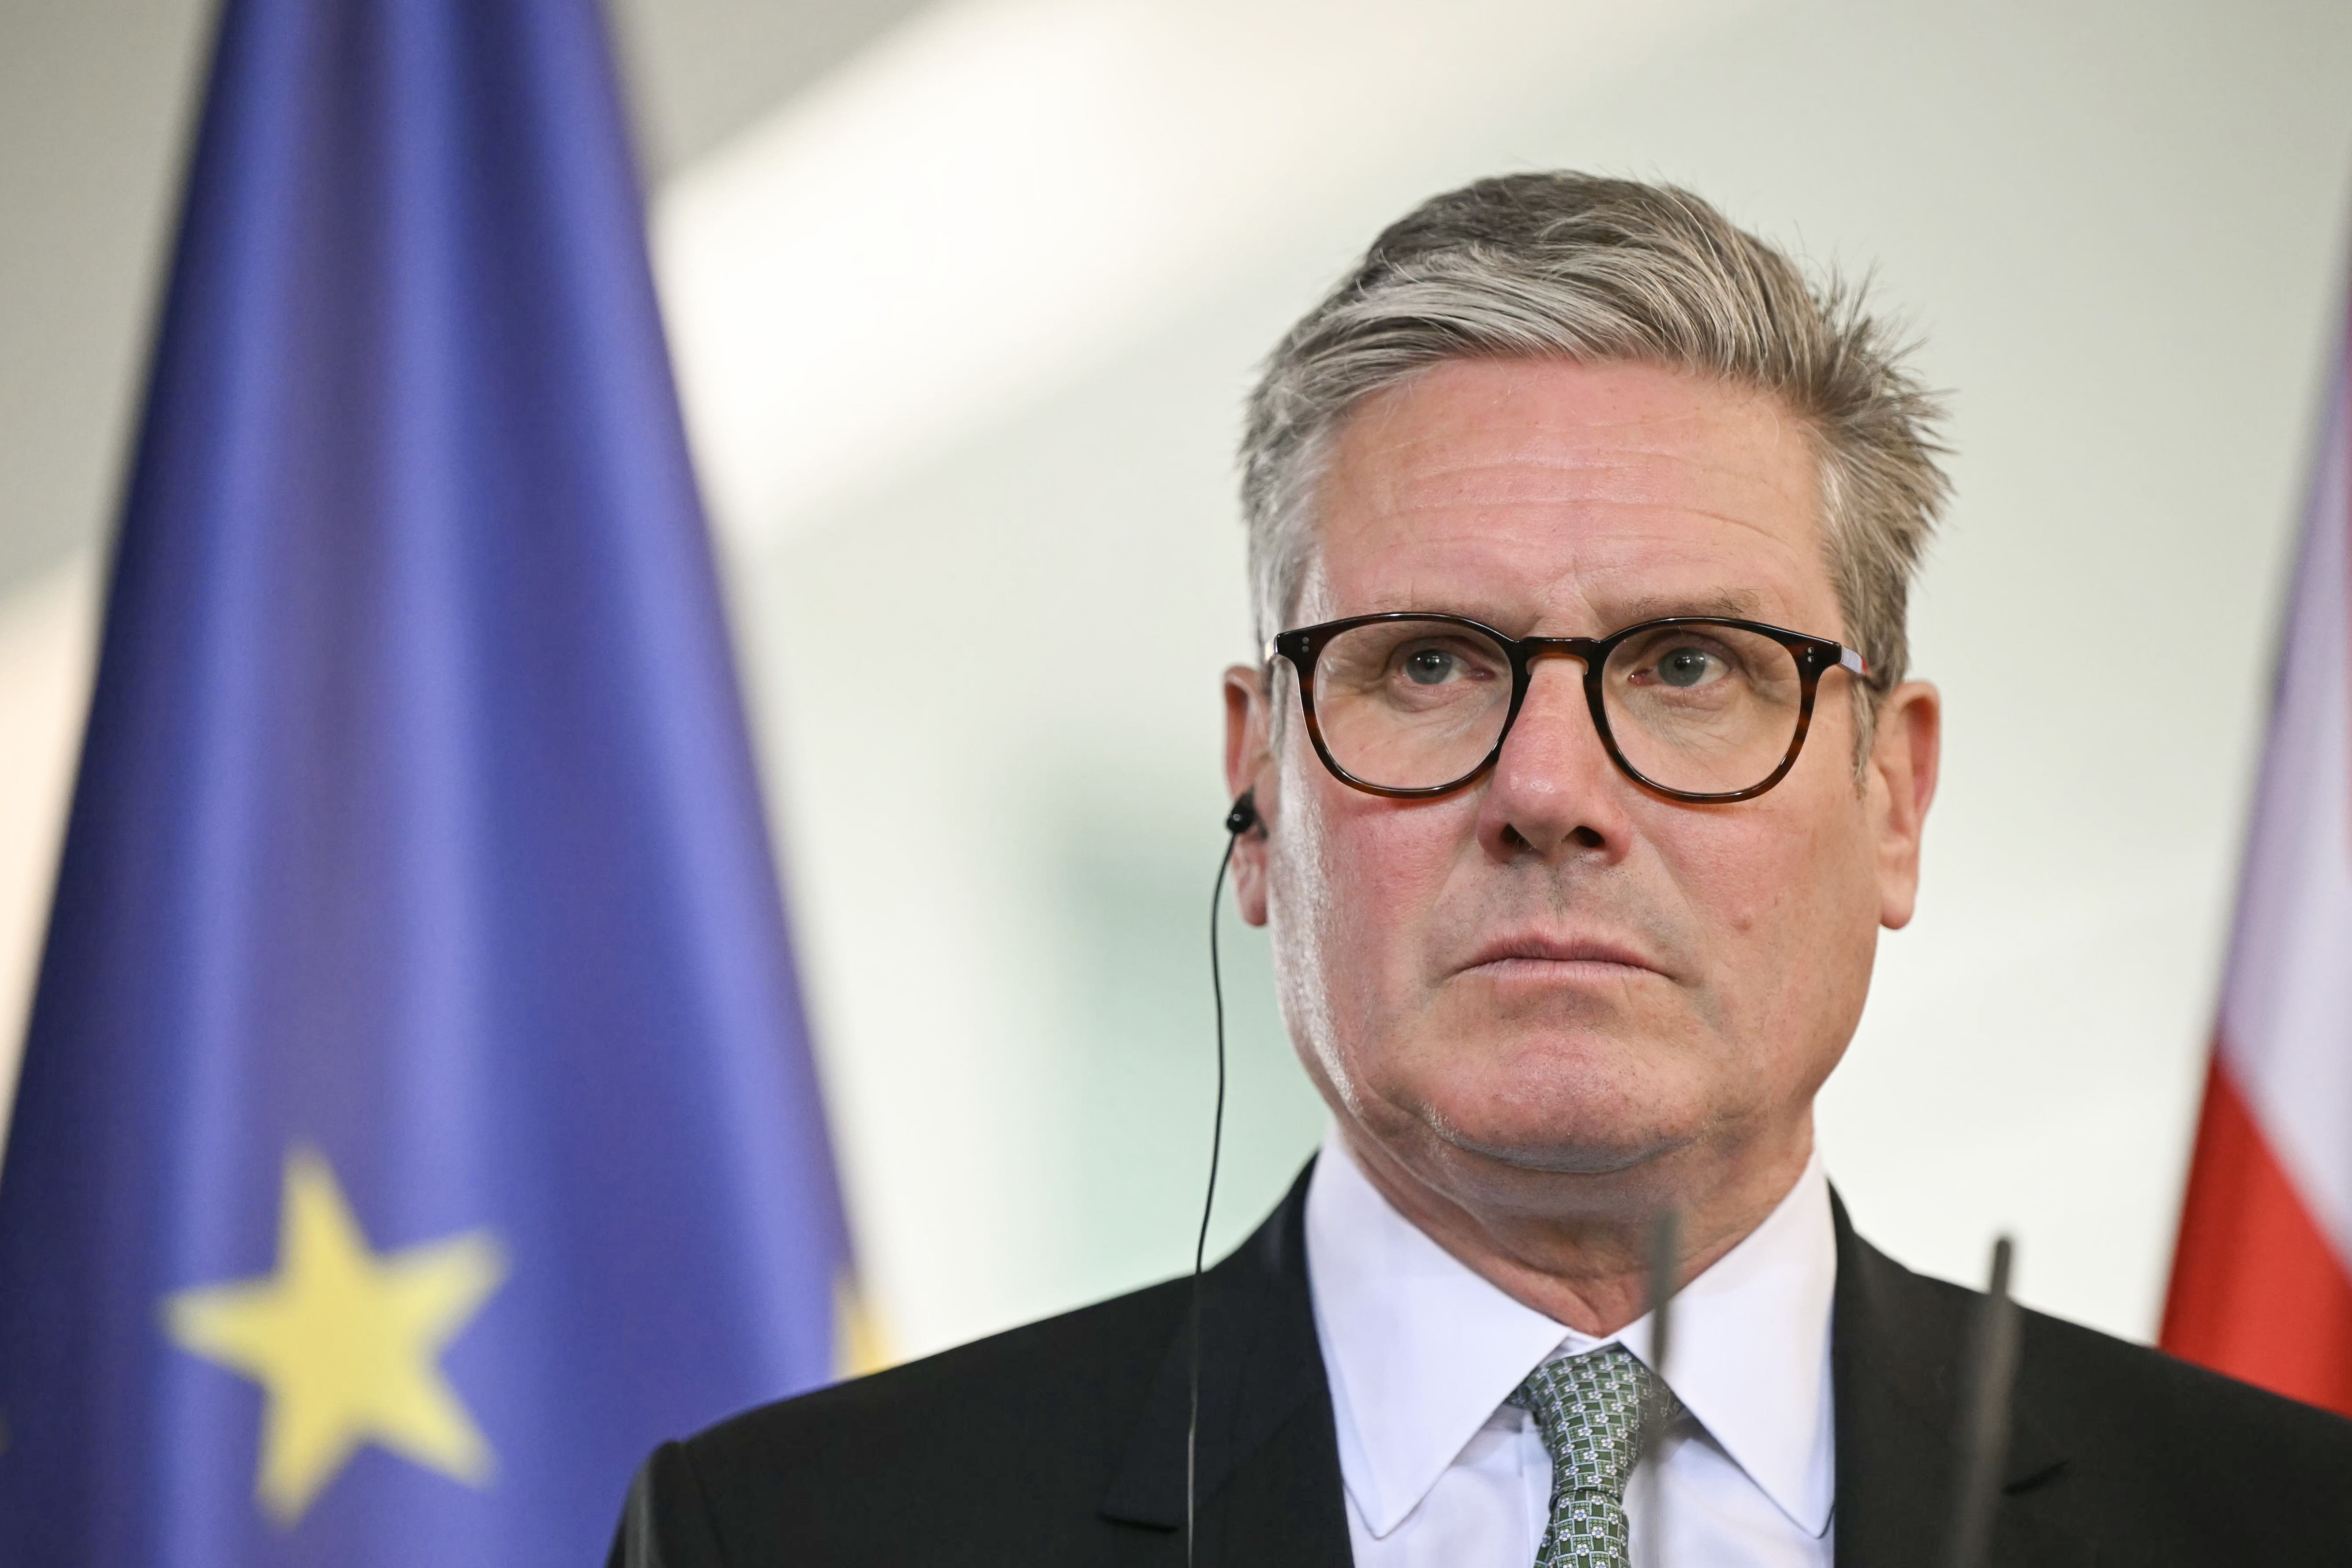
[[1249, 768], [1905, 751]]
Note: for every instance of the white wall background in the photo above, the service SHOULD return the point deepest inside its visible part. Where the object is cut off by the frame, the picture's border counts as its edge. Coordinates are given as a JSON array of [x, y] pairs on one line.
[[964, 330]]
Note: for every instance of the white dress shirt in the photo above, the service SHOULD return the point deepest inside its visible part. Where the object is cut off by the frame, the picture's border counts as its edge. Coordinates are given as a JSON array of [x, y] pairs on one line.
[[1440, 1473]]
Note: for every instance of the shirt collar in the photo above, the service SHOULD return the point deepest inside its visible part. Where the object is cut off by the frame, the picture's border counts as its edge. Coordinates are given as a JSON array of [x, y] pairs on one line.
[[1422, 1352]]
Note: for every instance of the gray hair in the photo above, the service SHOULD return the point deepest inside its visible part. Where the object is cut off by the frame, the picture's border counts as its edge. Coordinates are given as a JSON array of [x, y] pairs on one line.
[[1571, 265]]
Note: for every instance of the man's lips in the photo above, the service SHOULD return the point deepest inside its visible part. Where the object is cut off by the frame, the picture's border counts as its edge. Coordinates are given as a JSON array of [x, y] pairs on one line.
[[1533, 954]]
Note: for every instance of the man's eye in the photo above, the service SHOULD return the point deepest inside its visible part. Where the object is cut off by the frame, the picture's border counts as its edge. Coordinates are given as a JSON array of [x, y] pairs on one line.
[[1687, 667], [1428, 666]]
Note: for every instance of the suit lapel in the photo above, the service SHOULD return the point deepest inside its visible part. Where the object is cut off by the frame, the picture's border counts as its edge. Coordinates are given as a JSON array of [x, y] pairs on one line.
[[1269, 1492], [1896, 1352]]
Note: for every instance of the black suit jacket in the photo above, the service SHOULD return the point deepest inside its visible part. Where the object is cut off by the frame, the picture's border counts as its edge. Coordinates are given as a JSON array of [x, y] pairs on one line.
[[1062, 1443]]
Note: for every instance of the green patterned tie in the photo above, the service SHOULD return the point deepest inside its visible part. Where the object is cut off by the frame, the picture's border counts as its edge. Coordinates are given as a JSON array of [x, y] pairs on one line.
[[1590, 1410]]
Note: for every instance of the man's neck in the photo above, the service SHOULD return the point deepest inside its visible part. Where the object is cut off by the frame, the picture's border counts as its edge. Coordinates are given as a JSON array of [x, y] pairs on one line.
[[1576, 1248]]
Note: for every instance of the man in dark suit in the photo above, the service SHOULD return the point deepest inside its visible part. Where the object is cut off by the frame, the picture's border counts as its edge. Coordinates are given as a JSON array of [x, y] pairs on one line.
[[1580, 775]]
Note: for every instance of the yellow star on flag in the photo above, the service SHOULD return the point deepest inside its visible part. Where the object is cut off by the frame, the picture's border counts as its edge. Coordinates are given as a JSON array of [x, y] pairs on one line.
[[346, 1343]]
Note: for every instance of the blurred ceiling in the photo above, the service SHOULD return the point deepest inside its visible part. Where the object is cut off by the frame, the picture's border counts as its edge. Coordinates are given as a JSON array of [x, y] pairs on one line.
[[95, 97]]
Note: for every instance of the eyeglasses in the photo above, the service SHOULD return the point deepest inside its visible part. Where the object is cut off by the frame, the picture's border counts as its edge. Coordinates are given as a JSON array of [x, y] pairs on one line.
[[1696, 709]]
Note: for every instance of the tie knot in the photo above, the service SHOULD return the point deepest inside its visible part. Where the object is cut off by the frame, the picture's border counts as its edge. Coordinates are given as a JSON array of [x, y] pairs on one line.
[[1590, 1409]]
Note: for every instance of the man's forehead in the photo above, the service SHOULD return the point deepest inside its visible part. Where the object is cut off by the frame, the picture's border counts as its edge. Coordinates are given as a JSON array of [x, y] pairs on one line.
[[1552, 489], [1497, 433]]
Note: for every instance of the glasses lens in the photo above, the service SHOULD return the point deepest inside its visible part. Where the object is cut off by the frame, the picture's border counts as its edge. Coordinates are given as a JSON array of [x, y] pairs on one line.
[[1412, 704], [1703, 708]]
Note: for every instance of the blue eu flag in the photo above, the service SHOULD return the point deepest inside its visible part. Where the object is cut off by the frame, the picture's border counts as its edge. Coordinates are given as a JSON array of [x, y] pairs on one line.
[[418, 1122]]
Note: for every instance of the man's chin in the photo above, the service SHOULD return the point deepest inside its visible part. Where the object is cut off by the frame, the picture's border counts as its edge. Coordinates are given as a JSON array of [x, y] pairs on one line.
[[1560, 1152], [1599, 1129]]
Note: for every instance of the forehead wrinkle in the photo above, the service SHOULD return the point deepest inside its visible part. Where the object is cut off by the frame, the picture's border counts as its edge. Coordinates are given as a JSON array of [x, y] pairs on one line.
[[1580, 580], [1395, 491], [1469, 514]]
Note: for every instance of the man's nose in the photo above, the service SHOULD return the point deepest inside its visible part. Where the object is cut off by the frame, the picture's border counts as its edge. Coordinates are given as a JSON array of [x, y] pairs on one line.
[[1554, 791]]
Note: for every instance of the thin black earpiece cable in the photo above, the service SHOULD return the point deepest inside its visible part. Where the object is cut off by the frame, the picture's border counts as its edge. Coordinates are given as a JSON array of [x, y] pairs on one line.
[[1209, 1203]]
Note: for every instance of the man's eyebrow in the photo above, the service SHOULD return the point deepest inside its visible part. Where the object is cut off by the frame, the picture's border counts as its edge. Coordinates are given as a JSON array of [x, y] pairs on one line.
[[1726, 604]]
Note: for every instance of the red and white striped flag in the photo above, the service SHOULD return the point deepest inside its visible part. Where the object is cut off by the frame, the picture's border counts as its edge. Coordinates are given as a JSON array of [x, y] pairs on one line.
[[2261, 1283]]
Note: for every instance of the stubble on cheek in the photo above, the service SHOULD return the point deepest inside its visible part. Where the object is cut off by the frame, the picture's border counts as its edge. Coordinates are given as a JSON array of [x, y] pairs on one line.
[[1350, 889], [1300, 909], [1801, 929]]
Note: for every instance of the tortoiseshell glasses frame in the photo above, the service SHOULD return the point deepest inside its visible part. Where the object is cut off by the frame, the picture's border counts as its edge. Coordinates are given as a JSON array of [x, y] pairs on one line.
[[1812, 657]]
